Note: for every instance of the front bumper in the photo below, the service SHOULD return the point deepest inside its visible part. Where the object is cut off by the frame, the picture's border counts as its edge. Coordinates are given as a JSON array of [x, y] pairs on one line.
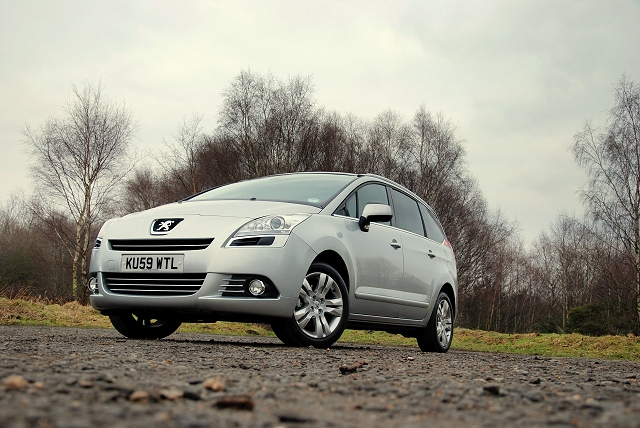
[[285, 267]]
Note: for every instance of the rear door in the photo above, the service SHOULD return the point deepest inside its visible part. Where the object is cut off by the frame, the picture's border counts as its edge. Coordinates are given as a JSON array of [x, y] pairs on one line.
[[421, 260]]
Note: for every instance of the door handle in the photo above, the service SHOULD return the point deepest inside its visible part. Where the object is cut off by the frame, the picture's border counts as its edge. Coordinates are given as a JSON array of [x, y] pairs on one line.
[[431, 254], [395, 244]]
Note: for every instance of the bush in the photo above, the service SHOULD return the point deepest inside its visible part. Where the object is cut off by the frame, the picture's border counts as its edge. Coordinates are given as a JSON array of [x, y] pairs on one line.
[[547, 325], [599, 319]]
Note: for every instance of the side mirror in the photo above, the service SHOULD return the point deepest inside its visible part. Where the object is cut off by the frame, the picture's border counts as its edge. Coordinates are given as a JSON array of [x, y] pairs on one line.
[[374, 212]]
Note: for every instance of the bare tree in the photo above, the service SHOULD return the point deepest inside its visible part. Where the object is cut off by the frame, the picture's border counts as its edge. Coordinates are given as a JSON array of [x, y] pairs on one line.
[[437, 152], [274, 125], [295, 124], [247, 110], [389, 139], [78, 161], [220, 162], [356, 157], [145, 190], [182, 162], [564, 266], [611, 158]]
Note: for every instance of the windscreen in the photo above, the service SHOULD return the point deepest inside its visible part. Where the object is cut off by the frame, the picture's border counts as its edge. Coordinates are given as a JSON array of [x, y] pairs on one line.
[[310, 189]]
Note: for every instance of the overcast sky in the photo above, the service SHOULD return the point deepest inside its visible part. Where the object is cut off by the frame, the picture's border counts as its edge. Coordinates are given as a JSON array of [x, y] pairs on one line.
[[518, 78]]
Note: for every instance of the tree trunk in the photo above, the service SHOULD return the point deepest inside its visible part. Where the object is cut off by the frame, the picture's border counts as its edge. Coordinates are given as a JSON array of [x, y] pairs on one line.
[[77, 285], [637, 266], [83, 265]]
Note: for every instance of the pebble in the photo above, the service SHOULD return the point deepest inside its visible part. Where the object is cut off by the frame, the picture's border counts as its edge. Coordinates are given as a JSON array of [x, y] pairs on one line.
[[15, 382], [139, 396], [240, 402], [85, 383], [171, 393], [352, 368], [214, 384]]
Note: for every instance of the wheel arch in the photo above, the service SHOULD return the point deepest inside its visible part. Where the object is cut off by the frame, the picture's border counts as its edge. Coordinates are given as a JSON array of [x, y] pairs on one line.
[[448, 290], [336, 261]]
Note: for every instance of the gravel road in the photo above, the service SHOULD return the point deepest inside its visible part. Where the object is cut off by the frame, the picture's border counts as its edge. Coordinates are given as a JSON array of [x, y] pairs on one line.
[[65, 377]]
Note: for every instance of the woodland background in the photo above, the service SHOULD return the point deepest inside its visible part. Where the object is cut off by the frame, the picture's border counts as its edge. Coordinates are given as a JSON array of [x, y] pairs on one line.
[[580, 275]]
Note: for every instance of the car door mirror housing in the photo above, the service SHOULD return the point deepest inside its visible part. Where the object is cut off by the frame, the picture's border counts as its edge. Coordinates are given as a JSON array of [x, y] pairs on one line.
[[374, 212]]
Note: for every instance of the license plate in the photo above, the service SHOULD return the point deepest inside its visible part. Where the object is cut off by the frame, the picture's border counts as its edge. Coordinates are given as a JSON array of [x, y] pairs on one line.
[[152, 263]]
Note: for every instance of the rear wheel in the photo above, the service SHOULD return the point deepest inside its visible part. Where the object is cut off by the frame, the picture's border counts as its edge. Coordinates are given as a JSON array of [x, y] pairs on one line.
[[321, 314], [438, 334], [142, 326]]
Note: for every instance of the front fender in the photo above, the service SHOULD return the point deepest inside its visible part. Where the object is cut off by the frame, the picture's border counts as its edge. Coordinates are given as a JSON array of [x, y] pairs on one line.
[[322, 233]]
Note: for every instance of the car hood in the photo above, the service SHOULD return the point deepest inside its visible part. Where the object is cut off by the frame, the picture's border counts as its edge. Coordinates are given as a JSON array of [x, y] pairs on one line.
[[201, 219]]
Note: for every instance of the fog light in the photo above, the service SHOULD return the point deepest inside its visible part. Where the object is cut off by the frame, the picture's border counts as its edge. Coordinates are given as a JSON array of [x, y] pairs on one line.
[[92, 285], [257, 287]]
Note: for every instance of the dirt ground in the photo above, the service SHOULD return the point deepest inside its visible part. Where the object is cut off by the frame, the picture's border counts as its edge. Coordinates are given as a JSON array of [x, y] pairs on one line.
[[65, 377]]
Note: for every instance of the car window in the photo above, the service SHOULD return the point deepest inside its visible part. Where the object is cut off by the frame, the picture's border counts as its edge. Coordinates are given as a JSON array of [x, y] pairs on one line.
[[434, 231], [350, 207], [371, 194], [406, 213]]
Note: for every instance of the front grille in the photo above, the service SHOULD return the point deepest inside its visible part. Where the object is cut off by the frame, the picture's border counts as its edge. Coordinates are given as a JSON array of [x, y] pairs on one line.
[[154, 284], [159, 244]]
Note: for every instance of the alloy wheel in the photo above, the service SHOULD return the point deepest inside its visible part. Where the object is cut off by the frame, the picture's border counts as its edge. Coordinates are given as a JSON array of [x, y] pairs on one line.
[[444, 322], [320, 305]]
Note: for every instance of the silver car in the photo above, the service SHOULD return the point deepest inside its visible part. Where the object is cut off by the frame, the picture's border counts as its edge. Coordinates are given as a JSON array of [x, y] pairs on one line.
[[309, 253]]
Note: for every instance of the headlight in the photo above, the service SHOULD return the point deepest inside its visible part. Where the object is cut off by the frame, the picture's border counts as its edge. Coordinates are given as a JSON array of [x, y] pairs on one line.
[[272, 225]]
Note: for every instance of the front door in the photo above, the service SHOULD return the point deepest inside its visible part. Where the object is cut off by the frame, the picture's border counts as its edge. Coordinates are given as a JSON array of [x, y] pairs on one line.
[[377, 256], [379, 270]]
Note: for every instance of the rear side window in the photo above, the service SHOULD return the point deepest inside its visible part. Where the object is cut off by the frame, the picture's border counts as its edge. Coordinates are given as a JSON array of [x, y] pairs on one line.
[[434, 231], [406, 213]]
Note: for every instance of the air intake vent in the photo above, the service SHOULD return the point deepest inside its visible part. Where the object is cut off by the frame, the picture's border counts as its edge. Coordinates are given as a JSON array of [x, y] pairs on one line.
[[237, 286], [258, 240], [154, 284], [159, 244], [233, 286]]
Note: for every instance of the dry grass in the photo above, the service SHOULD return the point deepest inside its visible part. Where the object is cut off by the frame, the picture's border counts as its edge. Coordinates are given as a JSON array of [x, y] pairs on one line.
[[558, 345], [73, 314], [30, 312]]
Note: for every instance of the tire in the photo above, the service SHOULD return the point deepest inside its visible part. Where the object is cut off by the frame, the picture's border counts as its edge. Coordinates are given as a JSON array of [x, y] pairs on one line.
[[143, 327], [322, 311], [438, 334], [282, 333]]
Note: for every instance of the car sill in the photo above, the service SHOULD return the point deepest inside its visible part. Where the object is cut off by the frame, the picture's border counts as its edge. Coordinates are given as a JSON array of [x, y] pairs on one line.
[[388, 299]]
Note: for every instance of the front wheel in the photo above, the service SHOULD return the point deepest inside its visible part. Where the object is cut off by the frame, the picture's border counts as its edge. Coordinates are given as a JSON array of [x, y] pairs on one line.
[[322, 311], [438, 334], [142, 326]]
